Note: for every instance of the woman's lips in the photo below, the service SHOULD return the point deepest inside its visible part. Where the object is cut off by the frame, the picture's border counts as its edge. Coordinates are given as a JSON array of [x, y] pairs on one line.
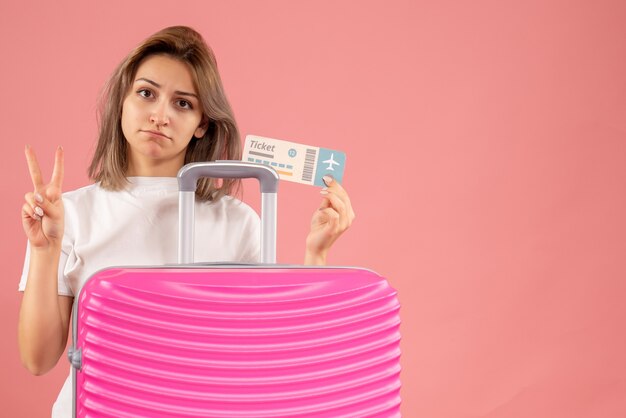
[[155, 133]]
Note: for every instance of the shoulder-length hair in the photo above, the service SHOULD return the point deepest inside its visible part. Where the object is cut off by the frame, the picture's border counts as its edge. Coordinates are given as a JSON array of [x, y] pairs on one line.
[[221, 140]]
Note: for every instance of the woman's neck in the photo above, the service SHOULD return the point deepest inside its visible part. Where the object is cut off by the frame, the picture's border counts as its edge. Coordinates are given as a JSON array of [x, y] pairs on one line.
[[153, 168]]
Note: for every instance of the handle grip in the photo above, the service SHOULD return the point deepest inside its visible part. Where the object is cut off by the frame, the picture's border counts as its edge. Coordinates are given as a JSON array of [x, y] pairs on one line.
[[188, 177]]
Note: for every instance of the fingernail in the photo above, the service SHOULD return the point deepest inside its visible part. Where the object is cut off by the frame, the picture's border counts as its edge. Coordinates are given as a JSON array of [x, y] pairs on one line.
[[39, 211], [61, 148], [38, 198], [324, 192], [36, 217], [327, 179]]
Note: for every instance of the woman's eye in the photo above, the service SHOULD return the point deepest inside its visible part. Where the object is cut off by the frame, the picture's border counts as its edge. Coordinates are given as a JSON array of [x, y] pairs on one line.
[[145, 93], [184, 104]]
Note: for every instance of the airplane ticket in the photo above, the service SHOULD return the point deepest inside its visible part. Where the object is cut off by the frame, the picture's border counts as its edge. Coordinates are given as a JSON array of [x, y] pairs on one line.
[[295, 162]]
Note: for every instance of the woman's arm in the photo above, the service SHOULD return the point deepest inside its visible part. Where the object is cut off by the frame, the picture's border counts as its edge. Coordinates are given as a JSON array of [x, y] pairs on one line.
[[311, 259], [44, 315]]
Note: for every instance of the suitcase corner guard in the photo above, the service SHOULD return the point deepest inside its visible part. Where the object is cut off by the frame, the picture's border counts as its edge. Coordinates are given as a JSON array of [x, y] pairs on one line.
[[75, 357]]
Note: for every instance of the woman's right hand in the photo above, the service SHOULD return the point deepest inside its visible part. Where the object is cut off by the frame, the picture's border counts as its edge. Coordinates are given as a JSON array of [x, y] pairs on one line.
[[42, 214]]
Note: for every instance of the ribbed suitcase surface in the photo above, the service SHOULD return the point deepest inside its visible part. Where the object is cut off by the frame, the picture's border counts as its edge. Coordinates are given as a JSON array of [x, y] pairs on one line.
[[237, 342]]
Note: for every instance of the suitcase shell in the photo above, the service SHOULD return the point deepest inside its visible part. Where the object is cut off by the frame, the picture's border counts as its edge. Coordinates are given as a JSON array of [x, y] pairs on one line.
[[228, 340]]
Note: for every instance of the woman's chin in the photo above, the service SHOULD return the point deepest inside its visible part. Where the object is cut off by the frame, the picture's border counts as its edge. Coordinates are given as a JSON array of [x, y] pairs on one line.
[[153, 149]]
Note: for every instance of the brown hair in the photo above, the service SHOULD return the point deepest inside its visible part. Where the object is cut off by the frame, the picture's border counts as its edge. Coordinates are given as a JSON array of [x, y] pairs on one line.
[[221, 139]]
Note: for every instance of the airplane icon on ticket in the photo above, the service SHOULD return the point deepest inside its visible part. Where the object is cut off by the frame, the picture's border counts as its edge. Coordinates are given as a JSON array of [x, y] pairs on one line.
[[331, 162]]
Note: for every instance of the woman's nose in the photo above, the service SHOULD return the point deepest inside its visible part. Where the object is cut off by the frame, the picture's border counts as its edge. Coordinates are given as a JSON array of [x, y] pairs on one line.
[[159, 115]]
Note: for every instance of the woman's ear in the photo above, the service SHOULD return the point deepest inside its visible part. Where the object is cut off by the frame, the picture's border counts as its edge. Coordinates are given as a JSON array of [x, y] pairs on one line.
[[201, 130]]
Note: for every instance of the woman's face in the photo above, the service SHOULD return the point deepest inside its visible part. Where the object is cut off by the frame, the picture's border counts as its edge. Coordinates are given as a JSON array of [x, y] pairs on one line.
[[160, 115]]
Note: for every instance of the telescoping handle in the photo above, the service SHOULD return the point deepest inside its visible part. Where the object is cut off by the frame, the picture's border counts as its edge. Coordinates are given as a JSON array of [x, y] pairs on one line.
[[188, 177]]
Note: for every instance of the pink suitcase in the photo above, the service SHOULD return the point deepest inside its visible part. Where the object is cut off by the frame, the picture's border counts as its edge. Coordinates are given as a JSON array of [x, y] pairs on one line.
[[226, 340]]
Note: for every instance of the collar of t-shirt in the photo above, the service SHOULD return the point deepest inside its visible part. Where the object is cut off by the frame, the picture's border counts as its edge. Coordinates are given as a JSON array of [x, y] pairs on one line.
[[151, 184]]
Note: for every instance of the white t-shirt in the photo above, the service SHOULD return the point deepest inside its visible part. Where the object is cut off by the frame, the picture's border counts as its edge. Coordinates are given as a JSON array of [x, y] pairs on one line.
[[139, 226]]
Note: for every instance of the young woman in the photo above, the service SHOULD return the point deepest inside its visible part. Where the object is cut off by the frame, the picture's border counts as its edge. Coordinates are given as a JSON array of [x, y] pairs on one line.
[[163, 107]]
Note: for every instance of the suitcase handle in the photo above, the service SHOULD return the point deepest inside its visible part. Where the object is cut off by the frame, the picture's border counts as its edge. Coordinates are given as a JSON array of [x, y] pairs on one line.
[[188, 177]]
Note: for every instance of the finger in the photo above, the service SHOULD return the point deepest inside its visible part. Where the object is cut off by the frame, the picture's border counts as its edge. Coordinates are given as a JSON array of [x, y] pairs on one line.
[[338, 204], [33, 168], [331, 220], [334, 200], [325, 204], [57, 172], [334, 185], [328, 179], [36, 203], [324, 216], [28, 212], [48, 206], [30, 199], [331, 215]]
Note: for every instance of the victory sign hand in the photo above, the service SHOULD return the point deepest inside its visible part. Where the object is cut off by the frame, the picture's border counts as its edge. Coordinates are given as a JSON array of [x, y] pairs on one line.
[[42, 214]]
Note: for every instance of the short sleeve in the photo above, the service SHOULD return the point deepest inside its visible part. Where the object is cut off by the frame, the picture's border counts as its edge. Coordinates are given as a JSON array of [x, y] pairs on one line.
[[63, 288]]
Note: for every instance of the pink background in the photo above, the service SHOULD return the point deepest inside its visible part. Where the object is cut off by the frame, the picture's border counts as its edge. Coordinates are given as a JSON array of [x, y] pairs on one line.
[[486, 145]]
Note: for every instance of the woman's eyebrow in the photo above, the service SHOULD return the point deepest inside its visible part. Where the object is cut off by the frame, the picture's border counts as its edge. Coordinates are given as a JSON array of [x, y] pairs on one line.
[[157, 85]]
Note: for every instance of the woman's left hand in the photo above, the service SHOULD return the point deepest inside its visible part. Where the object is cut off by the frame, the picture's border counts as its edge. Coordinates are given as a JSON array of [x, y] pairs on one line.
[[329, 221]]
